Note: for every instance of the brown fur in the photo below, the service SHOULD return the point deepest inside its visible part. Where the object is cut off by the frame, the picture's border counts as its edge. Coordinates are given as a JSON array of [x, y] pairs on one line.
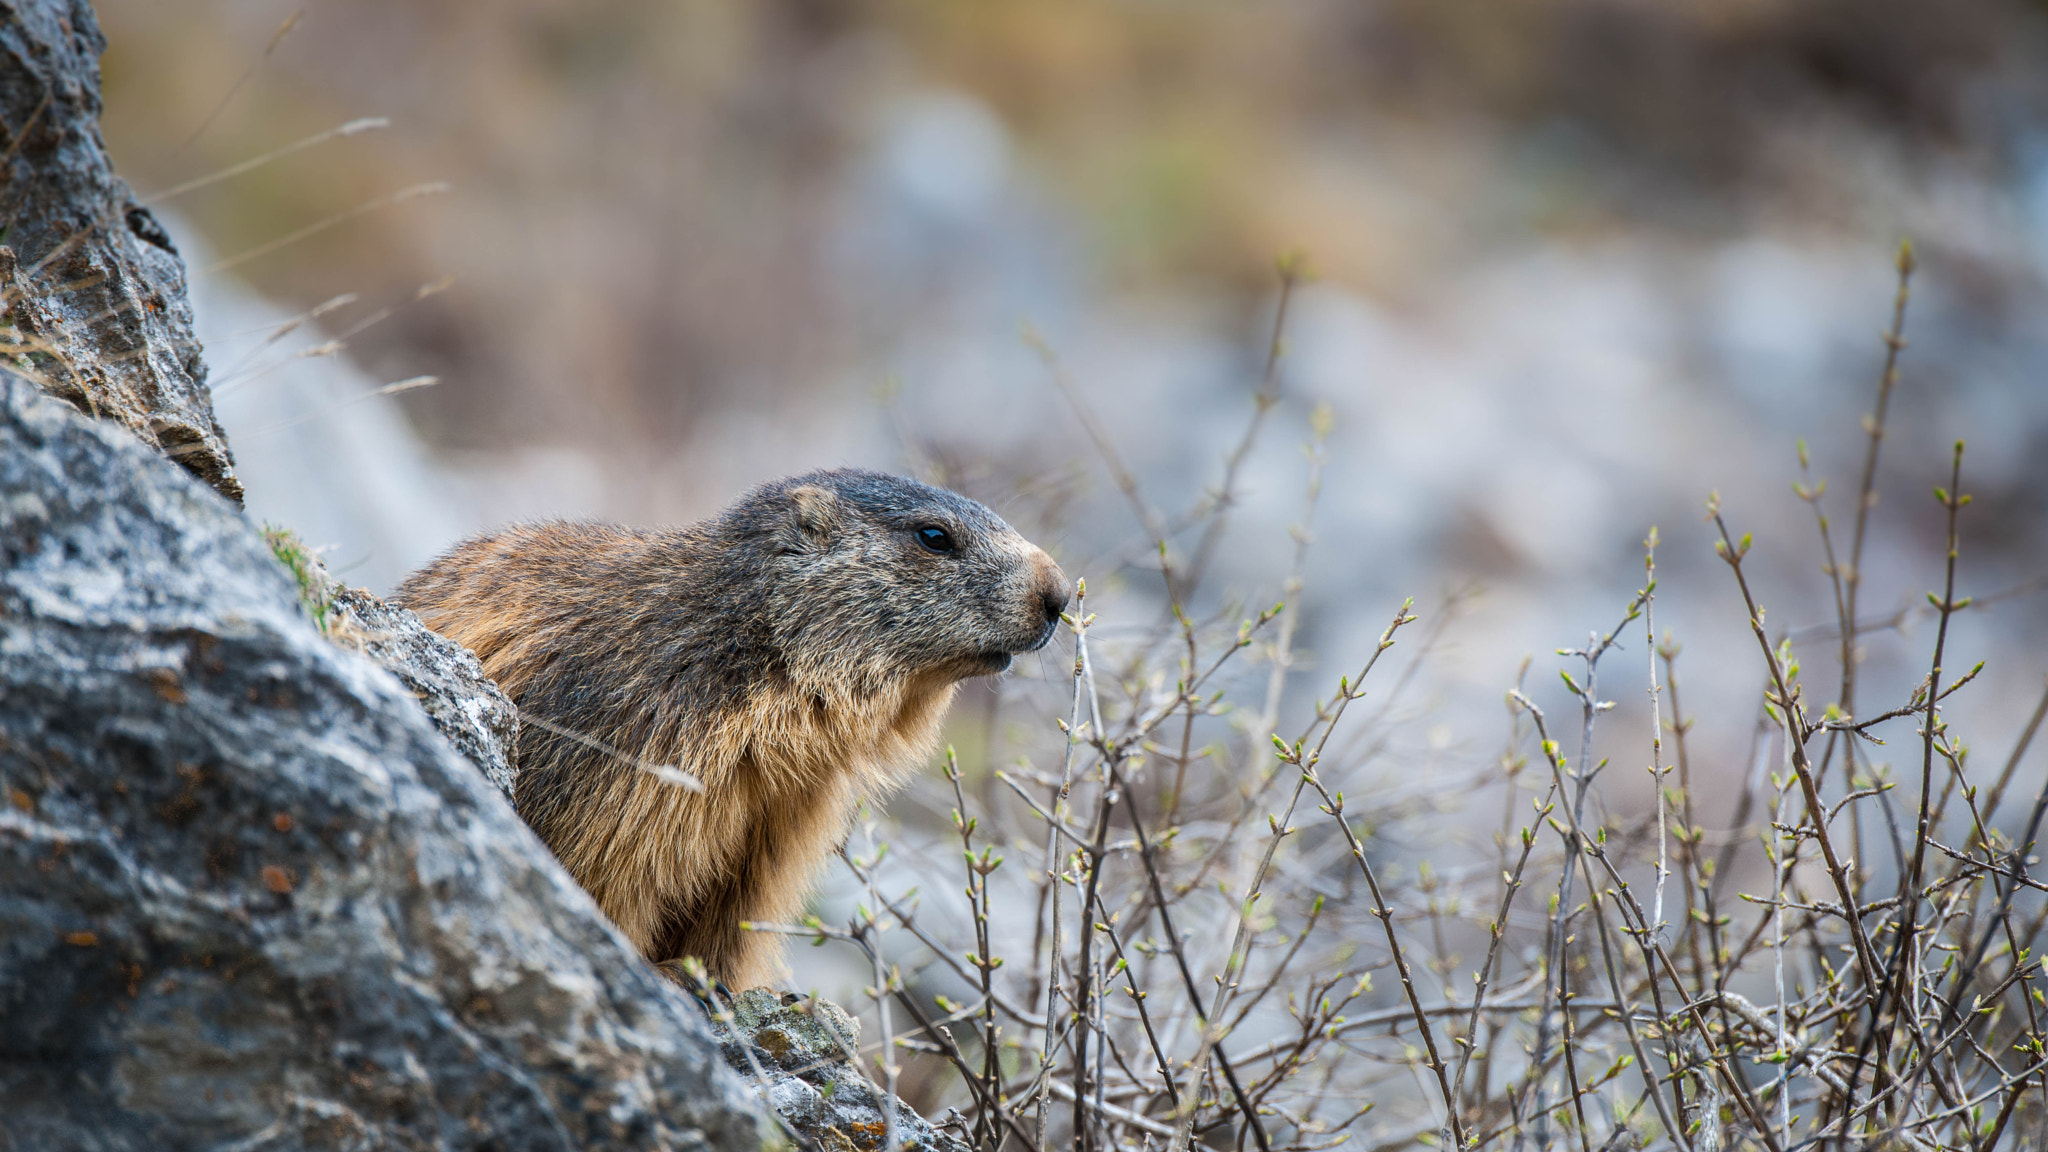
[[796, 655]]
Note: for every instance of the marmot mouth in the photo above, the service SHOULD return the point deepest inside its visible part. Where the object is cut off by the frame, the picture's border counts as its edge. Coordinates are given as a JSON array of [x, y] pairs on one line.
[[1044, 636], [994, 661]]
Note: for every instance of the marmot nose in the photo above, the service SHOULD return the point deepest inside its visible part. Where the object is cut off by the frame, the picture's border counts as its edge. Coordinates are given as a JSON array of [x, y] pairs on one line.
[[1053, 590]]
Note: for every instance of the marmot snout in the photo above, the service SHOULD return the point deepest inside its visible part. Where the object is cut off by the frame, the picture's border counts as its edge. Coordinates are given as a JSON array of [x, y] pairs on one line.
[[795, 653]]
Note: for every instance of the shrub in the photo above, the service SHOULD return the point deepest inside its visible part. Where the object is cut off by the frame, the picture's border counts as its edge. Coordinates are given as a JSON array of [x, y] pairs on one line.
[[1171, 923]]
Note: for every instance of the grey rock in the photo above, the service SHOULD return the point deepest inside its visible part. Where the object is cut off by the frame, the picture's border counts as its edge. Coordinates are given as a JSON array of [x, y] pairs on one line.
[[249, 897], [465, 706], [95, 294], [802, 1054]]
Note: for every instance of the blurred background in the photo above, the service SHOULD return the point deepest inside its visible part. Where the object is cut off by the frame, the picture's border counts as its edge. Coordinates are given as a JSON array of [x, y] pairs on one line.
[[1577, 263]]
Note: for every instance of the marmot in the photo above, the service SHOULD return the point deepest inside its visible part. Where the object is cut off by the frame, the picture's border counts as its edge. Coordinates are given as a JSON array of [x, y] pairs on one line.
[[795, 653]]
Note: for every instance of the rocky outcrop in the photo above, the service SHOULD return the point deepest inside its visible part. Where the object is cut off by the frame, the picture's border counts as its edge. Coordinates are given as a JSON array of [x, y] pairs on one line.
[[803, 1056], [466, 707], [92, 292], [248, 896]]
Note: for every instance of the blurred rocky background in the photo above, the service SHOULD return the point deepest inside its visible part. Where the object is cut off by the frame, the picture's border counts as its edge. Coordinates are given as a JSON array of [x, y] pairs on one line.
[[1577, 263]]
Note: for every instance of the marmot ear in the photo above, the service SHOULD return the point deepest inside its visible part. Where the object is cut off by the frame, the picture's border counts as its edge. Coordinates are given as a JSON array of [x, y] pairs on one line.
[[814, 513]]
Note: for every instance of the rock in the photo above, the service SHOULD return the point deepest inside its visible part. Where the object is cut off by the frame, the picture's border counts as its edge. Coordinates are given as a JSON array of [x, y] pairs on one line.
[[94, 292], [466, 708], [802, 1054], [248, 897]]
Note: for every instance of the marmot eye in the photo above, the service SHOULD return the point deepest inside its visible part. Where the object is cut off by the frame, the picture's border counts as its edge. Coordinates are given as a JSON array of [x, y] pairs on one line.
[[935, 539]]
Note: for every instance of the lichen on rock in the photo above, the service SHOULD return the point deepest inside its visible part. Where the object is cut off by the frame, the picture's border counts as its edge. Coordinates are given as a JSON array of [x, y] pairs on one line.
[[803, 1053]]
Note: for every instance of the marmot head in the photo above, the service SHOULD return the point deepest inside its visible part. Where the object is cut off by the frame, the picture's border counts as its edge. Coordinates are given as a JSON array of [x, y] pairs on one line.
[[872, 576]]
